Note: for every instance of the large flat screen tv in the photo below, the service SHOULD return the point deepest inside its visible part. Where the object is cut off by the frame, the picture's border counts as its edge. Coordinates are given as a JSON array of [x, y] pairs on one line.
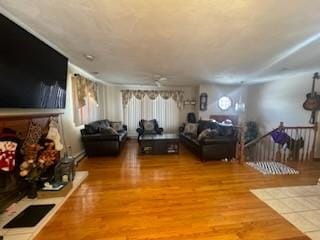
[[32, 74]]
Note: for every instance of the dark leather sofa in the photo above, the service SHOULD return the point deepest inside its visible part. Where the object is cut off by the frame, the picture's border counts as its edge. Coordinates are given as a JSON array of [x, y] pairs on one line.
[[220, 146], [99, 141]]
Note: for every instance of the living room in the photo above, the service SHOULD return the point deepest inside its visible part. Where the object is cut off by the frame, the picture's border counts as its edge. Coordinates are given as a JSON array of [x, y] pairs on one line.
[[163, 119]]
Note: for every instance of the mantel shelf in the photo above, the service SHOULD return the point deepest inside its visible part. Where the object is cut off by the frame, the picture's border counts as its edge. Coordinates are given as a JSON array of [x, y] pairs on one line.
[[18, 116]]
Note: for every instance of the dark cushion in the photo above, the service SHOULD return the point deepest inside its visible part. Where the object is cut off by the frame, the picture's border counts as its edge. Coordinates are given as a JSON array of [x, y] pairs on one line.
[[218, 140], [99, 137], [150, 132], [95, 127], [91, 129], [226, 130]]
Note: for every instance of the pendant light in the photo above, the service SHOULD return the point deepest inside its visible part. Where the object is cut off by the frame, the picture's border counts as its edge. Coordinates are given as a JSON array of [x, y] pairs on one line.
[[240, 106]]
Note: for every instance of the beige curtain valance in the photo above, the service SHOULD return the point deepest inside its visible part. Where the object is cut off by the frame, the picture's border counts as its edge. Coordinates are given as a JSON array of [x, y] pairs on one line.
[[176, 95], [85, 88]]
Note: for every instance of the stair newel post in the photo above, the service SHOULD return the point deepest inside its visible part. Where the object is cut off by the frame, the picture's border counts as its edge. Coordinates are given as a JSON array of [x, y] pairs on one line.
[[278, 153], [242, 157], [315, 131]]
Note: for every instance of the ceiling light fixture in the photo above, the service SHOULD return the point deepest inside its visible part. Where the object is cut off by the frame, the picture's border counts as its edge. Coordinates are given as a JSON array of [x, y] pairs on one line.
[[239, 105], [89, 57], [158, 84]]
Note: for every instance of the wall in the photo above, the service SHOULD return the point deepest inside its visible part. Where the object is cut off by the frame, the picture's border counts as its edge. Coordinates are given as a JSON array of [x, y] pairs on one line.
[[280, 101], [215, 91]]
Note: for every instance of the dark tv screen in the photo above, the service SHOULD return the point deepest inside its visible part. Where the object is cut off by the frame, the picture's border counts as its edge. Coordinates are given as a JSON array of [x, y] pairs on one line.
[[32, 74]]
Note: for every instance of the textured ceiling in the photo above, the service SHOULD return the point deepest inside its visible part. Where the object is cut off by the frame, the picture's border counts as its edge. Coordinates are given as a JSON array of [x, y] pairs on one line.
[[188, 41]]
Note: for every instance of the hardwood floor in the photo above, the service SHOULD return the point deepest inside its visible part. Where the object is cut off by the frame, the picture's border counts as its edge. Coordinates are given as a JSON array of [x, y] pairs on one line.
[[172, 197]]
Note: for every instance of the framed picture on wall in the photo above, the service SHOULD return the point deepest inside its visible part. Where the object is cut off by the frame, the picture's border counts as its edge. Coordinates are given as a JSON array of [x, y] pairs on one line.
[[203, 101]]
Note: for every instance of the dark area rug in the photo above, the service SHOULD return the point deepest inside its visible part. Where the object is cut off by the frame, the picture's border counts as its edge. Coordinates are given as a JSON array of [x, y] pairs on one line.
[[30, 216]]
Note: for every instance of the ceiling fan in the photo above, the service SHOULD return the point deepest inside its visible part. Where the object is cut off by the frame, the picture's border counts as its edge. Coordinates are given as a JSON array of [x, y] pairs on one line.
[[159, 80]]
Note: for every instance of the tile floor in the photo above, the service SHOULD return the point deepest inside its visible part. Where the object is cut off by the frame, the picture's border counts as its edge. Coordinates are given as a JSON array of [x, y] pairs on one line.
[[300, 205]]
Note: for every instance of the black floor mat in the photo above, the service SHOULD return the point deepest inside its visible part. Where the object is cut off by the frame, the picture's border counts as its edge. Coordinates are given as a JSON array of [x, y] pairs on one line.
[[30, 216]]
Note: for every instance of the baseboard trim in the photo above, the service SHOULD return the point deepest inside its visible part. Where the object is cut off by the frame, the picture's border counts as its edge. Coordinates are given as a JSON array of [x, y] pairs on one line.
[[78, 157]]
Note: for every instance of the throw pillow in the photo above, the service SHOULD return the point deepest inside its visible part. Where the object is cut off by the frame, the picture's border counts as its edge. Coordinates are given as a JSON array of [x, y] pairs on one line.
[[191, 128], [227, 122], [148, 125], [117, 126], [109, 131], [33, 135], [205, 133]]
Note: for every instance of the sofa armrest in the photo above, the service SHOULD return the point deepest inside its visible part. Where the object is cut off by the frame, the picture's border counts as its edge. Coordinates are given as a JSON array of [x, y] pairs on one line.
[[125, 127], [140, 131], [181, 128], [159, 130], [83, 132]]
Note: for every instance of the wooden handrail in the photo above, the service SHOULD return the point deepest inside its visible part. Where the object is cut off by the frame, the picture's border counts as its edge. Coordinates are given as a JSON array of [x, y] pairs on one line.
[[299, 127], [262, 137]]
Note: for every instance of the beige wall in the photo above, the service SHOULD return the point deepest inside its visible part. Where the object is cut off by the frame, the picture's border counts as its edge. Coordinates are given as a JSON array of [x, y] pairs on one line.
[[215, 91], [280, 101]]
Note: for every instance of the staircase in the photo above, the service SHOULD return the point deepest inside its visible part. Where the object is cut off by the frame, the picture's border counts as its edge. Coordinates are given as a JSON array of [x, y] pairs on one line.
[[271, 152]]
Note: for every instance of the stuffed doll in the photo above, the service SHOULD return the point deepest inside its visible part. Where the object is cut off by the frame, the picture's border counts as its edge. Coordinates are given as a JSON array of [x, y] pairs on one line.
[[49, 155], [53, 134], [9, 143], [7, 155], [30, 157]]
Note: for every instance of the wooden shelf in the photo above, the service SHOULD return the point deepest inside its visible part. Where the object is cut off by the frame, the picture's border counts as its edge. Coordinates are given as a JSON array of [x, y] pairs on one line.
[[21, 116]]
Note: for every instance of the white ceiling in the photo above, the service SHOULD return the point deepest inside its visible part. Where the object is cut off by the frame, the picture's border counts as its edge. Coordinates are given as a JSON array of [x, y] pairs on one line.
[[188, 41]]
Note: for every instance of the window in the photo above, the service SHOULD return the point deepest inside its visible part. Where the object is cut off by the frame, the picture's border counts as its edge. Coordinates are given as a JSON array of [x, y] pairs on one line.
[[224, 103], [85, 106], [165, 111]]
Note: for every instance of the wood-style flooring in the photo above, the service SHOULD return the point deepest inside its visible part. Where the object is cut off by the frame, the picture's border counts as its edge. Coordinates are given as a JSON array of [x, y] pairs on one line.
[[176, 197]]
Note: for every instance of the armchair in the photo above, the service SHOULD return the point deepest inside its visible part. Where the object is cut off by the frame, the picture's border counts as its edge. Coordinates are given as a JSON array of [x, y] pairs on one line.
[[150, 127]]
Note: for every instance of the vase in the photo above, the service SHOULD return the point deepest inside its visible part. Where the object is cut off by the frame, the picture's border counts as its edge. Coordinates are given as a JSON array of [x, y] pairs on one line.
[[32, 190]]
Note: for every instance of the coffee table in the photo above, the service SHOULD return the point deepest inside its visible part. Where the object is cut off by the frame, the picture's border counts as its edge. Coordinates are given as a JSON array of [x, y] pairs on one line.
[[167, 143]]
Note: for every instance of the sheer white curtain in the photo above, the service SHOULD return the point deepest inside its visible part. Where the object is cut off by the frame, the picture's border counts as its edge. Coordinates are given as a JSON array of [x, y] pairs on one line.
[[89, 112], [165, 111]]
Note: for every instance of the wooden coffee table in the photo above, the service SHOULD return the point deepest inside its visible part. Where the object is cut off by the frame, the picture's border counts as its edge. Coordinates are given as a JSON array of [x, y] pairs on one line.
[[159, 144]]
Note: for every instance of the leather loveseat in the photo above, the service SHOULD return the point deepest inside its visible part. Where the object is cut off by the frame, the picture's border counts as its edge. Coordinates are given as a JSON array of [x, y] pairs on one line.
[[101, 138]]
